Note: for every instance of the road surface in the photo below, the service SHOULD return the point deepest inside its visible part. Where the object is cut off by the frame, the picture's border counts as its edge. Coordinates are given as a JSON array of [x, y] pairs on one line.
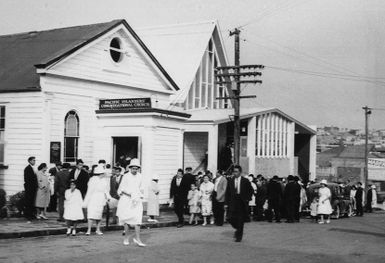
[[345, 240]]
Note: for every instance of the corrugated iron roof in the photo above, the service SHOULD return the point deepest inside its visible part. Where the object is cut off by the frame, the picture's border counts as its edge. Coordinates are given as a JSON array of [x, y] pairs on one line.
[[224, 115], [19, 53]]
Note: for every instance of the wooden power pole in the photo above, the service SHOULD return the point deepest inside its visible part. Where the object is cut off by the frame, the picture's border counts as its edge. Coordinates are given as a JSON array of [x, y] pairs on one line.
[[366, 170], [230, 76]]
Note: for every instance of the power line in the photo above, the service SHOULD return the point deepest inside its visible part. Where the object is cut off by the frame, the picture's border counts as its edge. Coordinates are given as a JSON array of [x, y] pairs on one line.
[[272, 12], [324, 75]]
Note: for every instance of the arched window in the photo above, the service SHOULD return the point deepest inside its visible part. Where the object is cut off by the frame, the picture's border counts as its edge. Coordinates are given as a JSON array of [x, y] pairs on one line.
[[71, 136]]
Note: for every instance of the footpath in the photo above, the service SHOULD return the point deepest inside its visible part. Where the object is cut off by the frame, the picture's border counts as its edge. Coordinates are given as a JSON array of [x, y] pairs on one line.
[[20, 227]]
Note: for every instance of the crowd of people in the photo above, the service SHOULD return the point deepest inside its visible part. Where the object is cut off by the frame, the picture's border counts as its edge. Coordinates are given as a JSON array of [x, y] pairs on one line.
[[80, 194]]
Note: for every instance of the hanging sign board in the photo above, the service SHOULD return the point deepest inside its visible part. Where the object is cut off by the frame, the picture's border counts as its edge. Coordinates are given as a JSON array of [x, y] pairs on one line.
[[54, 152], [125, 104]]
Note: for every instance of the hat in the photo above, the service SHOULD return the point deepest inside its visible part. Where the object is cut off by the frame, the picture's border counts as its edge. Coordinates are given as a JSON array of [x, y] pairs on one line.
[[99, 170], [324, 182], [290, 178], [373, 186], [155, 177], [134, 162]]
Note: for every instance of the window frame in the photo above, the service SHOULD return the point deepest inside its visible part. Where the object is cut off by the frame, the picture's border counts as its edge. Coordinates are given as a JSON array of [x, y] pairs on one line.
[[72, 137], [2, 129]]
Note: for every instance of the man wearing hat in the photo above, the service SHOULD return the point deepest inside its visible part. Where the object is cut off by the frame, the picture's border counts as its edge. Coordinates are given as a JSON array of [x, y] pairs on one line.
[[292, 196], [371, 199], [274, 195]]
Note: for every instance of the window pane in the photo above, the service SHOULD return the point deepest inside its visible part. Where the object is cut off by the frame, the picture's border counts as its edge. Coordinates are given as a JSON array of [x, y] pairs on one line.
[[2, 111], [70, 149], [210, 97], [203, 95], [1, 152], [197, 85], [71, 125], [204, 68], [211, 68], [2, 124]]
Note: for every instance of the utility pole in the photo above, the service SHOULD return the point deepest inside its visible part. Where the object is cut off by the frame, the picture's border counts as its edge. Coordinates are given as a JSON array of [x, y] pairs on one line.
[[230, 76], [368, 111], [236, 102]]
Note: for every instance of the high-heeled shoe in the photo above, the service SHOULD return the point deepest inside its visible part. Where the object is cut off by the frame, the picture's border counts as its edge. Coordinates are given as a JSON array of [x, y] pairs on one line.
[[99, 233], [140, 244], [126, 242], [88, 233], [73, 232], [68, 231]]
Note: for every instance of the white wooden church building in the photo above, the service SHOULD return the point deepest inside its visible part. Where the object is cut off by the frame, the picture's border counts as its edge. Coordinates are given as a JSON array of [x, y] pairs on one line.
[[103, 91]]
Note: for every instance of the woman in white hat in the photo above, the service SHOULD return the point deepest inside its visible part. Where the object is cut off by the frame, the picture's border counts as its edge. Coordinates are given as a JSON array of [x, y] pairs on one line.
[[324, 206], [130, 207], [153, 199], [98, 193]]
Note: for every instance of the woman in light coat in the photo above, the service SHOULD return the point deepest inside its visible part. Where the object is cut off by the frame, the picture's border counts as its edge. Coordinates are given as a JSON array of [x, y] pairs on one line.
[[98, 193], [324, 205], [153, 199], [130, 206], [206, 188], [43, 191]]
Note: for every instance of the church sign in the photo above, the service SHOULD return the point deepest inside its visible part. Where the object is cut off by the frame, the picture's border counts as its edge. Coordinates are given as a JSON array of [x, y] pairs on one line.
[[125, 104]]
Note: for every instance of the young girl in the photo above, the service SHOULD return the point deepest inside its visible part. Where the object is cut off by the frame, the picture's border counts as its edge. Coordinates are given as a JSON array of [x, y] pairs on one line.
[[193, 202], [73, 211], [313, 209], [206, 189]]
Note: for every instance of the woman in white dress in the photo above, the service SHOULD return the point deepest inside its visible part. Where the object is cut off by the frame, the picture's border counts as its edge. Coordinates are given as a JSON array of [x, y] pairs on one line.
[[73, 211], [130, 207], [98, 193], [324, 206], [206, 189]]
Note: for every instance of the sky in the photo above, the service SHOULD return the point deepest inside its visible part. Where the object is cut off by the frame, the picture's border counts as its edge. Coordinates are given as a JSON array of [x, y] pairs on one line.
[[324, 59]]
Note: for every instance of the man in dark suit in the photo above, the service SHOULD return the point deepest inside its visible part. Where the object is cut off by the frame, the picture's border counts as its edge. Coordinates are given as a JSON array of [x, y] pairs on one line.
[[30, 189], [359, 196], [238, 195], [219, 195], [80, 176], [274, 195], [292, 196], [53, 200], [178, 195], [61, 185]]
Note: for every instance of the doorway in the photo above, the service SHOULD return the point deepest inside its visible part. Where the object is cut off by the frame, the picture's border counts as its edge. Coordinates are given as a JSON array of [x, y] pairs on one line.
[[125, 149]]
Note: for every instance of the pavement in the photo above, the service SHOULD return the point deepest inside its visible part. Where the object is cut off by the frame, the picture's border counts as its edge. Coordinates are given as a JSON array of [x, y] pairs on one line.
[[350, 240], [20, 227]]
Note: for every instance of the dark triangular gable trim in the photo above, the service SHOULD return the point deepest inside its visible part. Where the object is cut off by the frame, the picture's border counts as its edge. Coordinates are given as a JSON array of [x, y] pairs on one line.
[[136, 37]]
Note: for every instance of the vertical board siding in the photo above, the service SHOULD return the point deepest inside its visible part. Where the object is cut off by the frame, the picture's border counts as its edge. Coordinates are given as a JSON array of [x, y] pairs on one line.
[[166, 159]]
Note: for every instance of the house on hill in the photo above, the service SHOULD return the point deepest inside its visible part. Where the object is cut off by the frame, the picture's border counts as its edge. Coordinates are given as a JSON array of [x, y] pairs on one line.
[[105, 91]]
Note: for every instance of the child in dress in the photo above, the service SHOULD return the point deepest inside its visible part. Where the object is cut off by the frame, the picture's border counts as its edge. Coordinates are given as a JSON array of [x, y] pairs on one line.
[[313, 209], [73, 211], [206, 188], [193, 202]]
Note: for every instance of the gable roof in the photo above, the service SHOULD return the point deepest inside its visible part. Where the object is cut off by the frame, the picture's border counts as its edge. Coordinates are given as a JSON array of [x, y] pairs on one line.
[[180, 49], [223, 115], [25, 52]]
